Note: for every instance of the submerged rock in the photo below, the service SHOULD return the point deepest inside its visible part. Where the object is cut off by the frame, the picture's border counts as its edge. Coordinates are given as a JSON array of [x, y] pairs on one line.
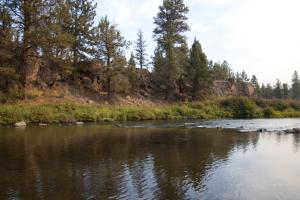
[[21, 124], [261, 130], [297, 130], [292, 131]]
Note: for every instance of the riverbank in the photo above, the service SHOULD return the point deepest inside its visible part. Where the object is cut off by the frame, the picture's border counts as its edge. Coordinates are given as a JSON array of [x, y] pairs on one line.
[[212, 109]]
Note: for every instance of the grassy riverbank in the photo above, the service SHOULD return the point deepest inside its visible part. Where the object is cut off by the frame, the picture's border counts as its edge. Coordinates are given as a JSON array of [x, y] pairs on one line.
[[220, 108]]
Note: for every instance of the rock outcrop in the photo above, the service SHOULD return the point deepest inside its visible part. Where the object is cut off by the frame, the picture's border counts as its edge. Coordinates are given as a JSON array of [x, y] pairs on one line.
[[233, 88]]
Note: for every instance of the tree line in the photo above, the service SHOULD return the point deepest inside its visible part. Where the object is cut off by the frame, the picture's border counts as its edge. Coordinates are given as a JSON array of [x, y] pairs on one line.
[[63, 35], [278, 90]]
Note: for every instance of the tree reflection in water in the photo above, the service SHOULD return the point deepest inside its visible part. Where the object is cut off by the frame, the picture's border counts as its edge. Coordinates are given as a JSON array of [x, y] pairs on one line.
[[104, 162]]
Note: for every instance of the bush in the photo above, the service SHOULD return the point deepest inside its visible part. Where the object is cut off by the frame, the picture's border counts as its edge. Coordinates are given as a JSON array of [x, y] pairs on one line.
[[269, 112], [147, 115], [279, 105], [34, 94], [197, 105], [295, 105], [240, 107], [261, 103]]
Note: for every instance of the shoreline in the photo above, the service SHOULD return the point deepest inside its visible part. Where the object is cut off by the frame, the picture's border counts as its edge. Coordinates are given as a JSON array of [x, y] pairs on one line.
[[208, 124], [71, 113]]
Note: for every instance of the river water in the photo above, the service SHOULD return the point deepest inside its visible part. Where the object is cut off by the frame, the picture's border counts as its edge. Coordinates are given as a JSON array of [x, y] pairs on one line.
[[152, 160]]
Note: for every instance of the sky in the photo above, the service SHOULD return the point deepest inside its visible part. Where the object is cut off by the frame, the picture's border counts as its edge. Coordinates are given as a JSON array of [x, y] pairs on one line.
[[261, 37]]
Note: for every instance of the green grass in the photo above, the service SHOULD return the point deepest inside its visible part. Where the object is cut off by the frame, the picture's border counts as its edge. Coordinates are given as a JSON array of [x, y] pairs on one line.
[[236, 107]]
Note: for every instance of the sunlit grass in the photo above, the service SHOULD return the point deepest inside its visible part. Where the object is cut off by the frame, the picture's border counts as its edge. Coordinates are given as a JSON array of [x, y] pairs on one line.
[[236, 107]]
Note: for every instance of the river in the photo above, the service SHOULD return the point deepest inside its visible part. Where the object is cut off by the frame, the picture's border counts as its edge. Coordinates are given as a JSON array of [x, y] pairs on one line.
[[152, 160]]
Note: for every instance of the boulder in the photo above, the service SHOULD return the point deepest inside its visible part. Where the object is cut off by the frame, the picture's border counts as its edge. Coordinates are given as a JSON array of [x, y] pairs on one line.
[[79, 123], [21, 124]]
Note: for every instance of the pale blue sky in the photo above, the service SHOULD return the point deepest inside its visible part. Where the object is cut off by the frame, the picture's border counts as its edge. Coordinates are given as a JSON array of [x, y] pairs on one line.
[[261, 37]]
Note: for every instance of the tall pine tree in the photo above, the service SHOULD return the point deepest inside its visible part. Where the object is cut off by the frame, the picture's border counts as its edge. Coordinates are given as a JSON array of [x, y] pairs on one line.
[[140, 49], [285, 90], [198, 72], [131, 61], [296, 86], [110, 44], [255, 83], [29, 18], [7, 45], [59, 43], [109, 41], [278, 90], [171, 24], [81, 27]]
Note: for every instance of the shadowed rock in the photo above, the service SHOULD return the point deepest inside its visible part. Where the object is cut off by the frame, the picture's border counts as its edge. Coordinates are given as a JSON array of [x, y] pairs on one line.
[[292, 131]]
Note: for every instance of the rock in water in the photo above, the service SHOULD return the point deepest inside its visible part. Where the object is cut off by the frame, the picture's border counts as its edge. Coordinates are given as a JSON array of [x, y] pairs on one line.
[[292, 131], [21, 124], [288, 131], [79, 123], [42, 124], [296, 130], [261, 130]]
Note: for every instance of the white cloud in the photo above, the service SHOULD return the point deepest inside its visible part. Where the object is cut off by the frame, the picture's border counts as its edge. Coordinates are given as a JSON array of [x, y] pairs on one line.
[[260, 36], [131, 15]]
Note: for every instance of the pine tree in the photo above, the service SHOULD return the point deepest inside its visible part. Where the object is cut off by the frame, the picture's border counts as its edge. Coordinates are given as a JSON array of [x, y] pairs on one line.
[[7, 45], [182, 63], [140, 50], [159, 63], [278, 90], [285, 90], [131, 62], [238, 77], [244, 77], [221, 71], [263, 91], [109, 41], [296, 86], [169, 32], [29, 18], [57, 44], [132, 73], [110, 44], [255, 83], [269, 91], [81, 27], [198, 71]]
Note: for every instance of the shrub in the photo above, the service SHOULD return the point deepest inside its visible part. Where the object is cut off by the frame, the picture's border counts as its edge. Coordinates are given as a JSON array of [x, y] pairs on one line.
[[279, 105], [197, 105], [34, 94], [240, 107], [295, 105], [261, 103], [147, 115], [269, 112]]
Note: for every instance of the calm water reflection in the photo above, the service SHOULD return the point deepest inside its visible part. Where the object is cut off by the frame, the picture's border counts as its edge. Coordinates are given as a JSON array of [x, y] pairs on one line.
[[103, 162]]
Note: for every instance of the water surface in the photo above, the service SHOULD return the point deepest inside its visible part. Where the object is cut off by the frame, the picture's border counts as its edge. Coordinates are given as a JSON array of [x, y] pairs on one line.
[[177, 162]]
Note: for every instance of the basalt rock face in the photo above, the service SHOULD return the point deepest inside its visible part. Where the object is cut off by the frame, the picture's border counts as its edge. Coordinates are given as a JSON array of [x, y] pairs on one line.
[[232, 88]]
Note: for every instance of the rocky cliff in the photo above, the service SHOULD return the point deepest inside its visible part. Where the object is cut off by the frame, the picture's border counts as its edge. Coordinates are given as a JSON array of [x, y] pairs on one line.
[[232, 88]]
